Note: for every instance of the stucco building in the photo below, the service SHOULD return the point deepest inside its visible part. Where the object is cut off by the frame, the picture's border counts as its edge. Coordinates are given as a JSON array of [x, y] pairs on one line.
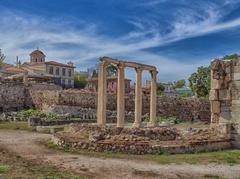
[[63, 74]]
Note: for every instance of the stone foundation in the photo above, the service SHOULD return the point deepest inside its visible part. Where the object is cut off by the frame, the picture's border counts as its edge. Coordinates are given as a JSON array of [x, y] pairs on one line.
[[155, 140]]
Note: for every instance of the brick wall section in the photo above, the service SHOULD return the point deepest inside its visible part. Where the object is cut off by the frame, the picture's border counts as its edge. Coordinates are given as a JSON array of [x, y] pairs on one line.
[[182, 108]]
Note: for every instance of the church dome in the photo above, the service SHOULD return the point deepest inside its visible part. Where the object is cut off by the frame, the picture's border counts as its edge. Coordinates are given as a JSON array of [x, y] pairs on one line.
[[37, 56], [37, 53]]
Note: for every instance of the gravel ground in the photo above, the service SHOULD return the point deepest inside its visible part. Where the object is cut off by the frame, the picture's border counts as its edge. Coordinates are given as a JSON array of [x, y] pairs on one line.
[[27, 145]]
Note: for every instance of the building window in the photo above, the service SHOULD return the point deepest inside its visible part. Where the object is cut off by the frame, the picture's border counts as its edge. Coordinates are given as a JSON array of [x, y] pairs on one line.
[[69, 72], [50, 70], [63, 82], [57, 71], [69, 82], [64, 71]]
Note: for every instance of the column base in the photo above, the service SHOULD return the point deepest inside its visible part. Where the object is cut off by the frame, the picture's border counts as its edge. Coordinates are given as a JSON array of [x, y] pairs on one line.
[[151, 124], [120, 125], [136, 125]]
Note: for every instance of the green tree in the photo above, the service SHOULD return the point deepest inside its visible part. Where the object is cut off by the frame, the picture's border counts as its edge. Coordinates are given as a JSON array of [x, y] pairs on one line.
[[230, 57], [2, 58], [179, 84], [160, 89], [199, 81], [111, 70], [80, 80]]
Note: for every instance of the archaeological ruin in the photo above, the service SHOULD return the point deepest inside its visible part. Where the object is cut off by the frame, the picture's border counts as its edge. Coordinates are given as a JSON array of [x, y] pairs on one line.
[[100, 121], [102, 95], [223, 133], [224, 98]]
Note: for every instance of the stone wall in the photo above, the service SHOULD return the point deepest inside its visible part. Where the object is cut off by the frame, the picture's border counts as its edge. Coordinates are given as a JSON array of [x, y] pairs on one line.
[[12, 96], [153, 140], [225, 98], [182, 108], [15, 96]]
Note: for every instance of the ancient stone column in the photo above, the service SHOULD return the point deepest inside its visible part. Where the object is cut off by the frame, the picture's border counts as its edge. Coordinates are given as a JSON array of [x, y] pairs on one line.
[[120, 96], [138, 98], [102, 95], [153, 99]]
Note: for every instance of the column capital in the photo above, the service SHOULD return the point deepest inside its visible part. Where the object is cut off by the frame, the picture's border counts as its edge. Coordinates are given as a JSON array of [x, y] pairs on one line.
[[138, 70], [153, 72], [103, 63], [121, 65]]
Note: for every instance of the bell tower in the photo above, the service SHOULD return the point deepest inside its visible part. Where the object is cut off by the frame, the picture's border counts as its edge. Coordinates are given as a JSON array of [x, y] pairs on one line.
[[37, 56]]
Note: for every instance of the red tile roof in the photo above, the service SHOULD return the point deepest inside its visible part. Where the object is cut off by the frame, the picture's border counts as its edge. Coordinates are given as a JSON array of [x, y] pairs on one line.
[[48, 63], [14, 69], [58, 64]]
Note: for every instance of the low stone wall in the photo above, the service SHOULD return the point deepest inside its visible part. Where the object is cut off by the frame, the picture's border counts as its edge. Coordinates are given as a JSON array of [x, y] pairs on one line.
[[16, 96], [155, 140], [183, 108]]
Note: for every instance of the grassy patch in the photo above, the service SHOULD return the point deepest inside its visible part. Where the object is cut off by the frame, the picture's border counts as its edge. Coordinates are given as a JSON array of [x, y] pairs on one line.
[[17, 167], [211, 176], [219, 157], [21, 125], [144, 173], [4, 168]]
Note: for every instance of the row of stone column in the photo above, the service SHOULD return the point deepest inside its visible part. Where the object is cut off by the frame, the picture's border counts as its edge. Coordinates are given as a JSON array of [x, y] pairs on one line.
[[102, 96]]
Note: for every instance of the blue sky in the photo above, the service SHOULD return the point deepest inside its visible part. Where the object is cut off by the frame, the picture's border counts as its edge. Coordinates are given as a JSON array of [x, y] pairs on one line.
[[177, 36]]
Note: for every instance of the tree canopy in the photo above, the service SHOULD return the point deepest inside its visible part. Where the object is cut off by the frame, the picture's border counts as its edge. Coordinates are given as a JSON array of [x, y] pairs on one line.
[[111, 70], [160, 89], [199, 81], [230, 57], [179, 83], [80, 80]]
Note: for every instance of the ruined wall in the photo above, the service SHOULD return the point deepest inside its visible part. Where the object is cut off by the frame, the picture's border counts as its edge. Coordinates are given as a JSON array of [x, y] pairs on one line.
[[15, 96], [225, 97], [182, 108], [12, 96]]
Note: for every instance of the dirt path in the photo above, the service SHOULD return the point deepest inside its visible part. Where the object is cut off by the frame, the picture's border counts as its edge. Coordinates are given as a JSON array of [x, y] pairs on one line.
[[26, 144]]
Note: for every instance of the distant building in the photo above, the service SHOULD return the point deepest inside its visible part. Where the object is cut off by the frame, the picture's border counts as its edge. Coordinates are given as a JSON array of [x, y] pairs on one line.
[[92, 84], [63, 74], [184, 91], [169, 89]]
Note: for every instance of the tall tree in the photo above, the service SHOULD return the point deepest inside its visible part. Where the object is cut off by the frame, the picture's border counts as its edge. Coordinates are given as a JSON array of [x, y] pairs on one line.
[[2, 58], [199, 81], [80, 80], [179, 83], [160, 89]]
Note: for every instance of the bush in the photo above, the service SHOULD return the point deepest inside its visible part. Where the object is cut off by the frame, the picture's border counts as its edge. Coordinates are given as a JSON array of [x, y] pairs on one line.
[[36, 113], [171, 120], [4, 168]]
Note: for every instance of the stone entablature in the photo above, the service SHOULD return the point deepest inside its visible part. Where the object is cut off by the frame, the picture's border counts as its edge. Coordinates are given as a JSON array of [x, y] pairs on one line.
[[225, 97]]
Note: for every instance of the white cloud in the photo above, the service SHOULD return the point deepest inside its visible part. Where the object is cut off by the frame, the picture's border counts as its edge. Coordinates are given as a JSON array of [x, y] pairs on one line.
[[20, 33]]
